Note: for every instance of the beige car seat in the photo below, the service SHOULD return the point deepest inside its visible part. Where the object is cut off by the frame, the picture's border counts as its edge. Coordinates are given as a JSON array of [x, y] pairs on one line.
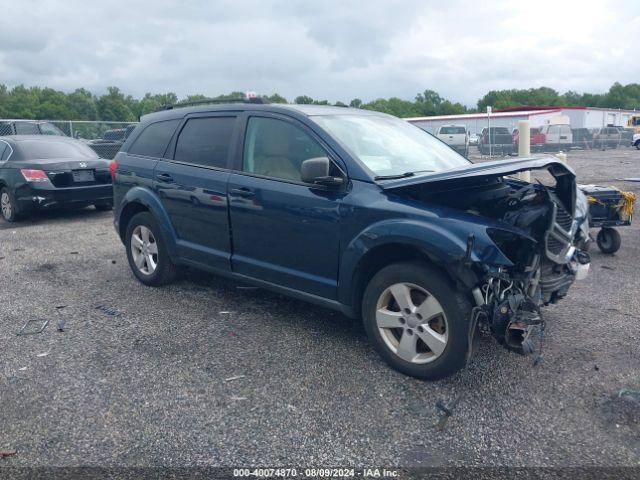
[[272, 157]]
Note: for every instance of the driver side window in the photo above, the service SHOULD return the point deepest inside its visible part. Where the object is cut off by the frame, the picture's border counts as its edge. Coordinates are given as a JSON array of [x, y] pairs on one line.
[[275, 148]]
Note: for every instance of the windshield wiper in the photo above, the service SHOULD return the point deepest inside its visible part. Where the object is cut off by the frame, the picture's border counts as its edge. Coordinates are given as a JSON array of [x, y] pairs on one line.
[[400, 175], [391, 177]]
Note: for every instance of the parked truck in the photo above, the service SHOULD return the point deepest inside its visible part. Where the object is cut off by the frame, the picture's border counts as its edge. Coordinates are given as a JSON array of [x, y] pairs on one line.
[[537, 139], [455, 136], [558, 134], [495, 140]]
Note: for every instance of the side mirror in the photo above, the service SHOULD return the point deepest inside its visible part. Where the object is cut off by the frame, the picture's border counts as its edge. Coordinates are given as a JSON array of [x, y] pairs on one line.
[[316, 170]]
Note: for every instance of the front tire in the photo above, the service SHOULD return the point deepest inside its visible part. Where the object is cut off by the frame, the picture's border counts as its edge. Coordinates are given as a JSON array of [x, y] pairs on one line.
[[8, 206], [147, 253], [416, 320]]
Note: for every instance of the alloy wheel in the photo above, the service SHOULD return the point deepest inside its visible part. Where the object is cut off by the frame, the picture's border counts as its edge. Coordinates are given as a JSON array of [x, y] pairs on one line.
[[144, 250], [412, 323], [5, 204]]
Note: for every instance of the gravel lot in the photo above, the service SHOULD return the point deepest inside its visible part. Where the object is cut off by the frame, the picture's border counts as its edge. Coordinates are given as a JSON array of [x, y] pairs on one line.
[[206, 372]]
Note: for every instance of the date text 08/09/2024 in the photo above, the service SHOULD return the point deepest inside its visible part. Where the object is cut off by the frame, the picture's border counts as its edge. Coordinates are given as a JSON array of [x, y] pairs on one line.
[[315, 473]]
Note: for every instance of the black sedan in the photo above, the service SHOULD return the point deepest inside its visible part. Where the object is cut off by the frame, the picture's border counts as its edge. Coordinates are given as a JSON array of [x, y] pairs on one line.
[[39, 172]]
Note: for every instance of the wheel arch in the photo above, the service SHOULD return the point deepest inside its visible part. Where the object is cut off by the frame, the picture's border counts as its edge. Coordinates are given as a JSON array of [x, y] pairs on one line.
[[138, 200], [378, 247], [380, 257]]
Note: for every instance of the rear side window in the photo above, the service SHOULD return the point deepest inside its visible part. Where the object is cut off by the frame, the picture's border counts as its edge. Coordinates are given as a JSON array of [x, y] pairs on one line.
[[205, 141], [3, 149], [50, 129], [26, 128], [453, 130], [153, 140]]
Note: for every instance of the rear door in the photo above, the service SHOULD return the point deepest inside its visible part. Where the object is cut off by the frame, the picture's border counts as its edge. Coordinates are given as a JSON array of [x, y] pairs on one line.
[[192, 186], [284, 231]]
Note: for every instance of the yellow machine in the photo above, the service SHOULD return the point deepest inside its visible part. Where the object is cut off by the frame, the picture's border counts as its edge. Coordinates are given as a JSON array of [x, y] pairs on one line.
[[634, 122]]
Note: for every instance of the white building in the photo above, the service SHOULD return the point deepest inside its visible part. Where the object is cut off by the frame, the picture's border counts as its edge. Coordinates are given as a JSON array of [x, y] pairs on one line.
[[579, 117]]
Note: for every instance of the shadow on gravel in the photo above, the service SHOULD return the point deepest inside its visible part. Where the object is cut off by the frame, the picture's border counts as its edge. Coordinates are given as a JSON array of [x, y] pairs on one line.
[[285, 309], [54, 216]]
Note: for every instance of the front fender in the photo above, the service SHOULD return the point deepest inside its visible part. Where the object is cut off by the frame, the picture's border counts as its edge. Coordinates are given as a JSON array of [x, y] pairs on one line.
[[145, 197], [444, 241]]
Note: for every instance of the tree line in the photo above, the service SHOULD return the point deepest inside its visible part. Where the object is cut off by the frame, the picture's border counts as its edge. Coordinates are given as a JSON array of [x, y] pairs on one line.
[[114, 105]]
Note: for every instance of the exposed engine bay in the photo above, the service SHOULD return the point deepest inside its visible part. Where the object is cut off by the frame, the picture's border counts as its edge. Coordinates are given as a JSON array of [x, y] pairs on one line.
[[541, 230]]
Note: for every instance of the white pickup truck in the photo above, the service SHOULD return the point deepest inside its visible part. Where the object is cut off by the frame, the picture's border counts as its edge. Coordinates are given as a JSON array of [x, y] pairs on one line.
[[455, 136]]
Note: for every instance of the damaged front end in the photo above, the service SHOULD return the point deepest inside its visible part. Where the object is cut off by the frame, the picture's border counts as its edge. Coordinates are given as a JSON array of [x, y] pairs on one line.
[[536, 234]]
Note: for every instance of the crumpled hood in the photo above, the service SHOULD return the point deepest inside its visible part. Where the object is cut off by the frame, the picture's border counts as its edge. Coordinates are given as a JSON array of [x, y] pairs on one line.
[[485, 169]]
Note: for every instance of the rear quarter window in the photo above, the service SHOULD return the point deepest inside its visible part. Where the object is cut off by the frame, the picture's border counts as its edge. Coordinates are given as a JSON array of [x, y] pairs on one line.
[[154, 139]]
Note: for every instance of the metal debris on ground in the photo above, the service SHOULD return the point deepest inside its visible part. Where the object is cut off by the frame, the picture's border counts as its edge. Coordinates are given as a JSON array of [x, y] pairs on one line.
[[60, 307], [225, 312], [231, 379], [24, 331], [237, 399], [61, 324], [45, 354], [446, 411], [8, 452], [108, 310], [74, 253]]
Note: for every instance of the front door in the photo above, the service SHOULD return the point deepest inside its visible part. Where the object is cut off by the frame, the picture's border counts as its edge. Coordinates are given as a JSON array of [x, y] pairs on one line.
[[284, 231], [192, 186]]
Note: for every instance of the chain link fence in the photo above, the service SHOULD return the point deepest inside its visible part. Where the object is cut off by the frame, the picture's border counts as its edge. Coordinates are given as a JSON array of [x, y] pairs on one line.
[[552, 138], [105, 138]]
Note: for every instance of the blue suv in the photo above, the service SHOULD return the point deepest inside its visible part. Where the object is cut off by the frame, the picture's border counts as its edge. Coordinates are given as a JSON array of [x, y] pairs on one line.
[[356, 211]]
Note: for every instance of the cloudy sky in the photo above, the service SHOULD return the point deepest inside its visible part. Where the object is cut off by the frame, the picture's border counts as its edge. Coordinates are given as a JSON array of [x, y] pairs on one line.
[[328, 49]]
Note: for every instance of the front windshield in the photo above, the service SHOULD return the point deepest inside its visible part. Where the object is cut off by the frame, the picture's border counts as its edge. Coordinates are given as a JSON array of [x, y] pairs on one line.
[[389, 146]]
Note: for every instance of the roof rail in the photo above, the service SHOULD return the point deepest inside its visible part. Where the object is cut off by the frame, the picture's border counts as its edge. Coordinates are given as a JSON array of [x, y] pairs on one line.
[[213, 101]]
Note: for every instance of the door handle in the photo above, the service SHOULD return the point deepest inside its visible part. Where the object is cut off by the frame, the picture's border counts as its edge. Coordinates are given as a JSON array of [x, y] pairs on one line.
[[242, 192], [164, 177]]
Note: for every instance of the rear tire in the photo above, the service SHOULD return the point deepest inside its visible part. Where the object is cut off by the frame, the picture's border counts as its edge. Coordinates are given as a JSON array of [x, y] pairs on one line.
[[147, 252], [8, 206], [608, 240], [430, 339]]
